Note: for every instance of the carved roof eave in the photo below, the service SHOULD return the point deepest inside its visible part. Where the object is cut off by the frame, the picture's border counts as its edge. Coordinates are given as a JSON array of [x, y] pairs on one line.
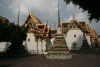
[[30, 15], [47, 30], [77, 23], [53, 29], [27, 18], [35, 18]]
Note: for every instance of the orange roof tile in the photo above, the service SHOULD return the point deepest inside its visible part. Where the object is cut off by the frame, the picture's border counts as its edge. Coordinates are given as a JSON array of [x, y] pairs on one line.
[[36, 20]]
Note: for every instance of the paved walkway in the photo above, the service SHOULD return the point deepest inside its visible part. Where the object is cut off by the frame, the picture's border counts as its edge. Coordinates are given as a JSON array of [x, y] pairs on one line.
[[80, 59]]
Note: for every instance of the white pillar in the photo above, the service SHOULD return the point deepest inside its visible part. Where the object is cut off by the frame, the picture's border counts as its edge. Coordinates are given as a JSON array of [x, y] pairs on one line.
[[37, 46], [44, 46]]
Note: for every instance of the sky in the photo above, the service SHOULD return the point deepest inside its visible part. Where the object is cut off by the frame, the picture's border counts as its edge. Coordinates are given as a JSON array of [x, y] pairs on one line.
[[43, 9]]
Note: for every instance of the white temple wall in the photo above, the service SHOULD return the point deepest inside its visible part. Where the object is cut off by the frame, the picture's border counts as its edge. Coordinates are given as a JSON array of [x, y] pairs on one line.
[[31, 44], [52, 40], [88, 40], [70, 39], [39, 47], [48, 43], [25, 44], [98, 41], [44, 46], [3, 46]]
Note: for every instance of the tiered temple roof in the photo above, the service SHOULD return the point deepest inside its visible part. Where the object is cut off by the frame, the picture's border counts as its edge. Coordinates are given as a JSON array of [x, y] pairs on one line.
[[35, 26], [93, 34], [78, 25], [3, 19], [39, 29], [53, 33]]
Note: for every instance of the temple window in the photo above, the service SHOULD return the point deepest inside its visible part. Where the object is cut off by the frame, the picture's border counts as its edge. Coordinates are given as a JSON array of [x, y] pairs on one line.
[[83, 24], [28, 39], [53, 35], [64, 25], [53, 32], [74, 35], [41, 31], [40, 27]]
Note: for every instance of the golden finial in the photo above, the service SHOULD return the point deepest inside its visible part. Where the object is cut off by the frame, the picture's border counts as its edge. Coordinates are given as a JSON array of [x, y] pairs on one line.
[[58, 15], [18, 16]]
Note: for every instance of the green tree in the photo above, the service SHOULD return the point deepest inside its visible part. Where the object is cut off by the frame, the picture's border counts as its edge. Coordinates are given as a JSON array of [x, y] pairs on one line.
[[17, 33], [3, 30], [11, 32], [92, 6]]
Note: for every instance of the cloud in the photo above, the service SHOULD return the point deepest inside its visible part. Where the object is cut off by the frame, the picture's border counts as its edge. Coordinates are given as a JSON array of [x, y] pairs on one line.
[[80, 16], [42, 9], [72, 8], [1, 5], [69, 19]]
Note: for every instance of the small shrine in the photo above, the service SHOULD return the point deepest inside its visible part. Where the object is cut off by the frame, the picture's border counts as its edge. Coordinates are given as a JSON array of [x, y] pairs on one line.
[[59, 49]]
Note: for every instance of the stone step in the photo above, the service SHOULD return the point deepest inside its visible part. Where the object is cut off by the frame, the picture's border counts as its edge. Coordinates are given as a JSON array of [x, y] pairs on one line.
[[59, 56], [51, 52]]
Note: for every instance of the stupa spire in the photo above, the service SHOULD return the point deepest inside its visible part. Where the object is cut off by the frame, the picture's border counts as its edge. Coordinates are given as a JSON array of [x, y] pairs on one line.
[[47, 23], [58, 15], [73, 15], [18, 16], [97, 30], [86, 20], [54, 25], [29, 11]]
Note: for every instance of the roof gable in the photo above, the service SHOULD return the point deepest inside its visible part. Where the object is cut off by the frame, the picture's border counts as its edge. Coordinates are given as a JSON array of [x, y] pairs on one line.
[[33, 18]]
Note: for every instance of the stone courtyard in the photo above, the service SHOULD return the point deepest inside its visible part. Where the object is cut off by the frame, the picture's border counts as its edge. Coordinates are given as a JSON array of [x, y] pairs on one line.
[[81, 58]]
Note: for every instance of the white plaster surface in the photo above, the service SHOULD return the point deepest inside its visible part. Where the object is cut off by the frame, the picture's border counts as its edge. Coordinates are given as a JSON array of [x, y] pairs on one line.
[[98, 41], [39, 46], [48, 43], [44, 45], [88, 40], [70, 39], [32, 44], [59, 30], [52, 40], [25, 44], [3, 46]]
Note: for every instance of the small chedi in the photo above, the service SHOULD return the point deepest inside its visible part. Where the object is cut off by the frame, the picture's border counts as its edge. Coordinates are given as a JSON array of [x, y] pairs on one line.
[[59, 49], [85, 45]]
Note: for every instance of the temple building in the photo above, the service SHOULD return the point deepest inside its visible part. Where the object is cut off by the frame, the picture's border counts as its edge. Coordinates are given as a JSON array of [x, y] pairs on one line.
[[40, 36], [74, 33]]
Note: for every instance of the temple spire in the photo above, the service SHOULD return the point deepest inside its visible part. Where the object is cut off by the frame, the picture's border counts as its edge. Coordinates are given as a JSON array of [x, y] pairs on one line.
[[9, 19], [73, 15], [50, 26], [58, 15], [97, 30], [47, 23], [29, 11], [86, 19], [54, 25], [14, 22], [18, 16]]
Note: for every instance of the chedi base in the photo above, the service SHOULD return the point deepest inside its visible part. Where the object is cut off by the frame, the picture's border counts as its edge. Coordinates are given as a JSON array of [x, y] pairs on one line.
[[59, 56]]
